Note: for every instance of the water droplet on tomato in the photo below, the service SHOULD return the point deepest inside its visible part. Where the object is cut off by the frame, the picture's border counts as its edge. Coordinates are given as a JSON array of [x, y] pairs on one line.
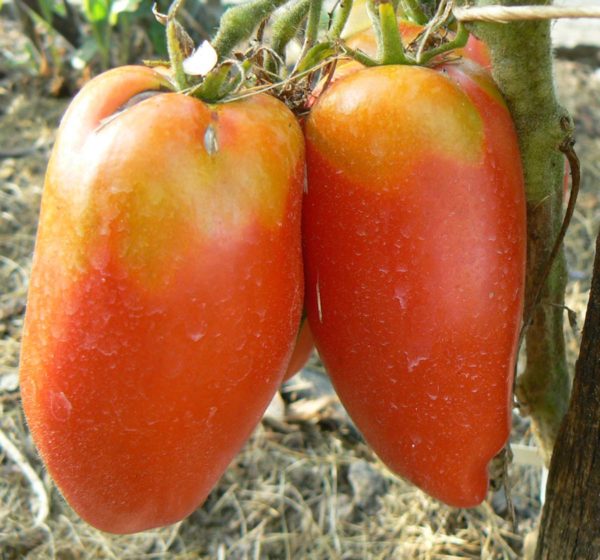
[[414, 362], [400, 296], [100, 257], [196, 335], [60, 406]]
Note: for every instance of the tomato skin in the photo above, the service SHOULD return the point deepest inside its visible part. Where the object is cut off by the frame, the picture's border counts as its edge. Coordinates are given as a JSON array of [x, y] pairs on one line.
[[165, 295], [302, 351], [477, 51], [414, 250]]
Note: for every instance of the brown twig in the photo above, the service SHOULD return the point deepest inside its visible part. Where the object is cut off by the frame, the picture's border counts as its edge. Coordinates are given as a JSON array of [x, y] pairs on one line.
[[567, 148], [36, 483]]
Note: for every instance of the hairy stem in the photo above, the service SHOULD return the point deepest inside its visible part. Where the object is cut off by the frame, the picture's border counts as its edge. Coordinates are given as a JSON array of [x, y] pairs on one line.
[[339, 19], [286, 26], [522, 67], [238, 24], [413, 11], [391, 49]]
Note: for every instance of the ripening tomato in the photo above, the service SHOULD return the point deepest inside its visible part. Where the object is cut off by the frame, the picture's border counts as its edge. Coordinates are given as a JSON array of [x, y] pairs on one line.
[[414, 252], [165, 295]]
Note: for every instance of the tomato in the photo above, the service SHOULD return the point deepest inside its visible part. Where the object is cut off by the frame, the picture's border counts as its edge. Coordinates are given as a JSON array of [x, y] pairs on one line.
[[414, 249], [165, 294], [477, 51], [302, 351]]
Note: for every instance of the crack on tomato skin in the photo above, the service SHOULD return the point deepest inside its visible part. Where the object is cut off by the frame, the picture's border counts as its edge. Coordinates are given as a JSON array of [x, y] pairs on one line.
[[211, 145], [319, 304], [131, 102]]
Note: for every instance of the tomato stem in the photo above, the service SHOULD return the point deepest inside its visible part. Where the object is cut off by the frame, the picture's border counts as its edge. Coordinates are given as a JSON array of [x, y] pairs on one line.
[[212, 88], [176, 55], [315, 56], [373, 13], [238, 24], [359, 56], [286, 26], [339, 19], [391, 49], [413, 11], [312, 26], [459, 41]]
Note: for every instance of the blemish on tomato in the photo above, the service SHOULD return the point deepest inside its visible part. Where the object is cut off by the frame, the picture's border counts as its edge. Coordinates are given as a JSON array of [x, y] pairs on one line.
[[210, 140], [319, 305]]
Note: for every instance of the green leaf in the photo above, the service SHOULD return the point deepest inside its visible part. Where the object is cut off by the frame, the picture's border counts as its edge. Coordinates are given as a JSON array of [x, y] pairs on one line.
[[96, 10], [156, 32], [47, 7]]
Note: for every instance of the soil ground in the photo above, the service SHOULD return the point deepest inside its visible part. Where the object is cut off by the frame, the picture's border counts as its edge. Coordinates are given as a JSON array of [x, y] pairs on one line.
[[305, 486]]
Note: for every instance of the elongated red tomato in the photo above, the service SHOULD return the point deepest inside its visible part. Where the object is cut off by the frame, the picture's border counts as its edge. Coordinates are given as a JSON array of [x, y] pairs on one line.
[[165, 294], [414, 247]]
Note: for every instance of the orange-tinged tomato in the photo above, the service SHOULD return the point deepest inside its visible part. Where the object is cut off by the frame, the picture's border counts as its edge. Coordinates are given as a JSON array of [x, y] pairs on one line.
[[414, 250], [165, 294]]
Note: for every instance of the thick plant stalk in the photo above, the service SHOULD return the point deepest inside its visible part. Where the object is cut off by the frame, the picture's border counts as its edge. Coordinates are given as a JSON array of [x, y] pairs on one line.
[[571, 514], [522, 67]]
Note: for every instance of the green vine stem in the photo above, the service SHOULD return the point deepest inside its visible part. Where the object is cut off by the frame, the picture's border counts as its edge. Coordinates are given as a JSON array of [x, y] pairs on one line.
[[358, 55], [413, 11], [522, 67], [459, 41], [391, 49], [314, 57], [213, 87], [312, 27], [339, 19], [314, 18], [286, 26], [238, 24], [174, 46], [373, 13]]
